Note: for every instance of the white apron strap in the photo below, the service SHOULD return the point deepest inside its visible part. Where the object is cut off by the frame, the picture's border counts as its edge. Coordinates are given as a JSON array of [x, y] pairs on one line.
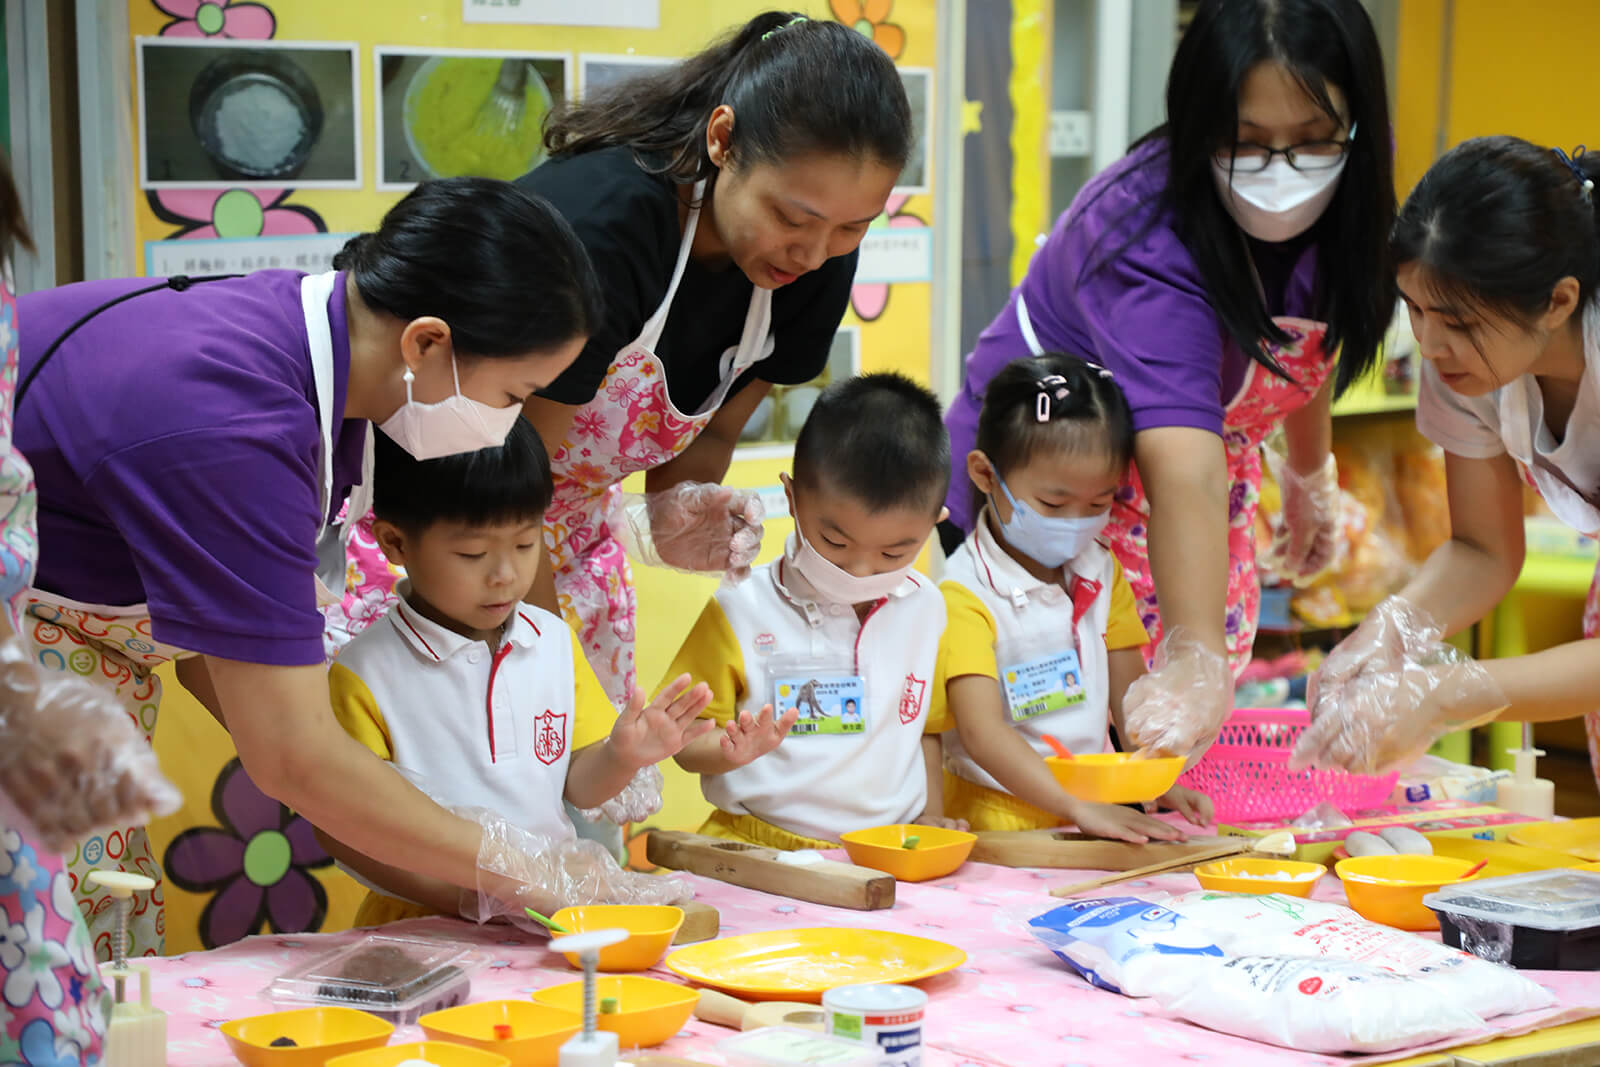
[[1025, 324], [650, 334]]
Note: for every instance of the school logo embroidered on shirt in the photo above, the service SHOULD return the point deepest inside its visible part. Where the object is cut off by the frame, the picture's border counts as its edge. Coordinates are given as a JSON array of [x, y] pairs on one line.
[[911, 699], [549, 736]]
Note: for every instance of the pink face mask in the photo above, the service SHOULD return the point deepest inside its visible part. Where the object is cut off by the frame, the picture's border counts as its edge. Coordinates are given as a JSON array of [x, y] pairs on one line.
[[838, 585]]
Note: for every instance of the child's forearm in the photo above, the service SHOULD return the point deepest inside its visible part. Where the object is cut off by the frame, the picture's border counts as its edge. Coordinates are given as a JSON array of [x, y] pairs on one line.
[[596, 774], [1124, 666], [933, 767], [435, 893], [995, 746], [704, 756]]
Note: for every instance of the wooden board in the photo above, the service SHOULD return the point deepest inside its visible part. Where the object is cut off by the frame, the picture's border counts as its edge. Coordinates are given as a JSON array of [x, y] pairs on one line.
[[1074, 851], [837, 885], [701, 922]]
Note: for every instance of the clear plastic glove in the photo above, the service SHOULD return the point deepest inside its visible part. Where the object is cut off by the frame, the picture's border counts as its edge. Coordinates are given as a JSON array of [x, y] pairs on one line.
[[1306, 542], [1407, 693], [643, 736], [518, 869], [71, 761], [1179, 707], [639, 799], [699, 527], [1393, 633]]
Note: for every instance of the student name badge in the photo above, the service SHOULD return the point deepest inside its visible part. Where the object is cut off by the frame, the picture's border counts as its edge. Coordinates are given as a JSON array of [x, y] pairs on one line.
[[827, 703], [1044, 684]]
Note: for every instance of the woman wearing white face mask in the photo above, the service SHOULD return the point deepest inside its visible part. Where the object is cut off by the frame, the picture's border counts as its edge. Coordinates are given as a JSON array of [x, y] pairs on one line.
[[1215, 270], [191, 442]]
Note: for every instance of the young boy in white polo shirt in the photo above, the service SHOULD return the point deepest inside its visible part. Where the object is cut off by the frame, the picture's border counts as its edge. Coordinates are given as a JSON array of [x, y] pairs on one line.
[[483, 700], [839, 626]]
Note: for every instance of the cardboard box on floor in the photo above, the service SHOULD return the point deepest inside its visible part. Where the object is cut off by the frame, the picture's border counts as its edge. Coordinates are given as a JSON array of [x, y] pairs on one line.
[[1436, 818]]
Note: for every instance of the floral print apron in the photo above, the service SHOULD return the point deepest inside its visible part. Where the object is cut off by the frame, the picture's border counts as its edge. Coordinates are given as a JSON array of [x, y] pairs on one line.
[[1259, 407], [631, 425]]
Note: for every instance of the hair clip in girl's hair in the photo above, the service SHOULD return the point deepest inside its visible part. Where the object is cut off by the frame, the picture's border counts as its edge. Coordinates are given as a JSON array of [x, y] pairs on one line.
[[1098, 369], [786, 25], [1577, 171], [1053, 387]]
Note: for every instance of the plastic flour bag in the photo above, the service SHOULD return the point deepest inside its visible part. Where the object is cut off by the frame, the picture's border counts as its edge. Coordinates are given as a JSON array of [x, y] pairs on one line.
[[1272, 969]]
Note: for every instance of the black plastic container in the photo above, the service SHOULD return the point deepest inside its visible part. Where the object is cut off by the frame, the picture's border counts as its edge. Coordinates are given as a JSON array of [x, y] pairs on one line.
[[1543, 920]]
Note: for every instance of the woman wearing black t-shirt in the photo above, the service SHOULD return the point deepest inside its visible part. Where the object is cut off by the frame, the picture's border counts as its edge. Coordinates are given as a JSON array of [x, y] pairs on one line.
[[721, 200]]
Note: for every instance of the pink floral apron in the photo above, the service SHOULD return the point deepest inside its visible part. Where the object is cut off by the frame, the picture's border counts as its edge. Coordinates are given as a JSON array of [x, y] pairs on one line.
[[631, 425], [1259, 407]]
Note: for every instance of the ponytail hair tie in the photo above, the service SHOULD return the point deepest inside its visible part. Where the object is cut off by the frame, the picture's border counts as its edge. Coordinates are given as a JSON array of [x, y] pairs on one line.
[[1577, 171], [779, 29], [1051, 389]]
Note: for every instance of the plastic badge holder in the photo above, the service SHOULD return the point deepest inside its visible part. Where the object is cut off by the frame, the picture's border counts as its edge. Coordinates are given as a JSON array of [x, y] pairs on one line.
[[787, 1046], [395, 978], [1543, 920]]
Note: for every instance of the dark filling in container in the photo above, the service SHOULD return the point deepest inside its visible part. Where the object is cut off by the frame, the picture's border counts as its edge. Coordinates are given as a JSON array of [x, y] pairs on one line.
[[284, 1042], [383, 976]]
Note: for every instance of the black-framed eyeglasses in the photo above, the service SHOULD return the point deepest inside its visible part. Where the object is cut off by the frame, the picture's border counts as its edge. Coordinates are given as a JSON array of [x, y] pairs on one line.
[[1247, 158]]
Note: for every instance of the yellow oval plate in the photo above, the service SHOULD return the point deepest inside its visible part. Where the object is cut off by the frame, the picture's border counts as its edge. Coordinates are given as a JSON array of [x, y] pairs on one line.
[[804, 964], [1577, 837]]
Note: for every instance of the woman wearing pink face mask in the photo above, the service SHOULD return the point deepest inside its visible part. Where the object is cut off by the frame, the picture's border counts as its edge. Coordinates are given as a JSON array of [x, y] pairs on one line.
[[1215, 270], [191, 440]]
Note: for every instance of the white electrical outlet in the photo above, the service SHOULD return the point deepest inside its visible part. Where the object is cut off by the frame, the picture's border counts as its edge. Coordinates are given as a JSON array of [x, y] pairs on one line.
[[1069, 133]]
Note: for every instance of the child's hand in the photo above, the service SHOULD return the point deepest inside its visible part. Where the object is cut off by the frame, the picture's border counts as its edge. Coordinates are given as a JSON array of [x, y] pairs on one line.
[[1123, 824], [940, 821], [1194, 807], [749, 737], [647, 734]]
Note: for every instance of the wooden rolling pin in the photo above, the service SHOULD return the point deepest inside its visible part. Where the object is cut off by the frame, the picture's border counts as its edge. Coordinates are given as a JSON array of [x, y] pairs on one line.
[[1277, 844], [723, 1010]]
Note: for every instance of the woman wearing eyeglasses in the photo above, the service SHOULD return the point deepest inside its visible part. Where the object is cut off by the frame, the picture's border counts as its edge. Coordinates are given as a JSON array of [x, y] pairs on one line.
[[1215, 270]]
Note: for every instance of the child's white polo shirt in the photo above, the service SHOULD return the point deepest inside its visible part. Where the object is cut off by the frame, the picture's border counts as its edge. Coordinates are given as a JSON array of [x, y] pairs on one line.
[[769, 630], [475, 727], [1002, 618]]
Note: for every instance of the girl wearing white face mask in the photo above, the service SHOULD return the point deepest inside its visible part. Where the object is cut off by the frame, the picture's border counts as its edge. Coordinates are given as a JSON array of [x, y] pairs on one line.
[[1044, 625], [192, 442], [1215, 270]]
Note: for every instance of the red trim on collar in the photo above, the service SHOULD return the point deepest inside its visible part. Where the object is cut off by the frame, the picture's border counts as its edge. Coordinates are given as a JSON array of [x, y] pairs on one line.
[[401, 612], [531, 623]]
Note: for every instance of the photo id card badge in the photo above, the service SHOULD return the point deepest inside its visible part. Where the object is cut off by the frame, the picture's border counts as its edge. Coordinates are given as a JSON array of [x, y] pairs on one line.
[[828, 703], [1044, 684]]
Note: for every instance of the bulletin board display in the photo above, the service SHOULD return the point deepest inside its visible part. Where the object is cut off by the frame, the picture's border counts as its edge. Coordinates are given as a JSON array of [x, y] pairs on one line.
[[357, 109]]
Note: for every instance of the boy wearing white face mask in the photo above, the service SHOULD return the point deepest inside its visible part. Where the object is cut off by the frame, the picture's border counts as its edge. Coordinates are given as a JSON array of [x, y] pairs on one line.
[[842, 621], [1044, 631]]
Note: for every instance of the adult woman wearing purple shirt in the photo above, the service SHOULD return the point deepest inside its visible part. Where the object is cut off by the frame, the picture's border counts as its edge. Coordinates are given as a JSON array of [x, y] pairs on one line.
[[192, 440], [1215, 270]]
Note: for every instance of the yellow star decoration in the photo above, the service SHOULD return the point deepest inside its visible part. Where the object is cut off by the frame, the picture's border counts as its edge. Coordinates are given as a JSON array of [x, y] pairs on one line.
[[971, 116]]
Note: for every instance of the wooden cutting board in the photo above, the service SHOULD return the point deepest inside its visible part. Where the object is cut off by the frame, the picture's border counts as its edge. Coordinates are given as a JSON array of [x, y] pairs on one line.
[[701, 922], [837, 885], [1074, 851]]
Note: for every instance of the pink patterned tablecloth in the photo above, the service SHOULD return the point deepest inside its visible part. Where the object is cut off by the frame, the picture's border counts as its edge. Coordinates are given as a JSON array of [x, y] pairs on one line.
[[1012, 1005]]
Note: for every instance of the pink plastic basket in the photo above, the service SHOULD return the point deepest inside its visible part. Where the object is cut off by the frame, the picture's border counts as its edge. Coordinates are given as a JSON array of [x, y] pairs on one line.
[[1246, 773]]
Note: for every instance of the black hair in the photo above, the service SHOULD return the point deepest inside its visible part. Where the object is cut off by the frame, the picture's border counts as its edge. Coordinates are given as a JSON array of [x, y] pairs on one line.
[[1092, 419], [879, 438], [501, 267], [1497, 222], [1323, 44], [492, 486], [797, 86], [13, 226]]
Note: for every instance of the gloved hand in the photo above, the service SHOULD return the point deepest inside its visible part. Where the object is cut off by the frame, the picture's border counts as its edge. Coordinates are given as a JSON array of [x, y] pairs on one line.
[[71, 761], [699, 527], [1390, 690], [643, 736], [1306, 542], [639, 799], [1179, 707], [518, 869]]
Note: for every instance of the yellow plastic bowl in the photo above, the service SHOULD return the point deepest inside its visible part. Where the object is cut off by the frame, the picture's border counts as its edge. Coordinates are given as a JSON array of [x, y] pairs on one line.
[[1248, 875], [1115, 777], [938, 851], [537, 1030], [649, 1011], [1389, 889], [651, 929], [438, 1053], [318, 1033]]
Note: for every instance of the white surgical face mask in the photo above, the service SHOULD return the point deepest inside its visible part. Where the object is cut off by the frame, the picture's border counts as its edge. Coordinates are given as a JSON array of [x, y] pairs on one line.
[[1045, 540], [837, 585], [1277, 203], [453, 425]]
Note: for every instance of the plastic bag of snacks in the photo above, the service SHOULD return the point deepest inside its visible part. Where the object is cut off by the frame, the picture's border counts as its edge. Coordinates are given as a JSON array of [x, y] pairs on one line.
[[1284, 970]]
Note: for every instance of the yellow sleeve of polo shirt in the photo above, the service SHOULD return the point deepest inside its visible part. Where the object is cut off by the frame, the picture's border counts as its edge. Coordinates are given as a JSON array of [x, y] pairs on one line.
[[711, 654], [1124, 628], [939, 719], [357, 711], [593, 714], [969, 633]]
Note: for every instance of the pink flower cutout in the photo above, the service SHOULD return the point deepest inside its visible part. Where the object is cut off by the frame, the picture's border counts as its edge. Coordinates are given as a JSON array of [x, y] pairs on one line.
[[209, 213], [869, 299], [217, 18]]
